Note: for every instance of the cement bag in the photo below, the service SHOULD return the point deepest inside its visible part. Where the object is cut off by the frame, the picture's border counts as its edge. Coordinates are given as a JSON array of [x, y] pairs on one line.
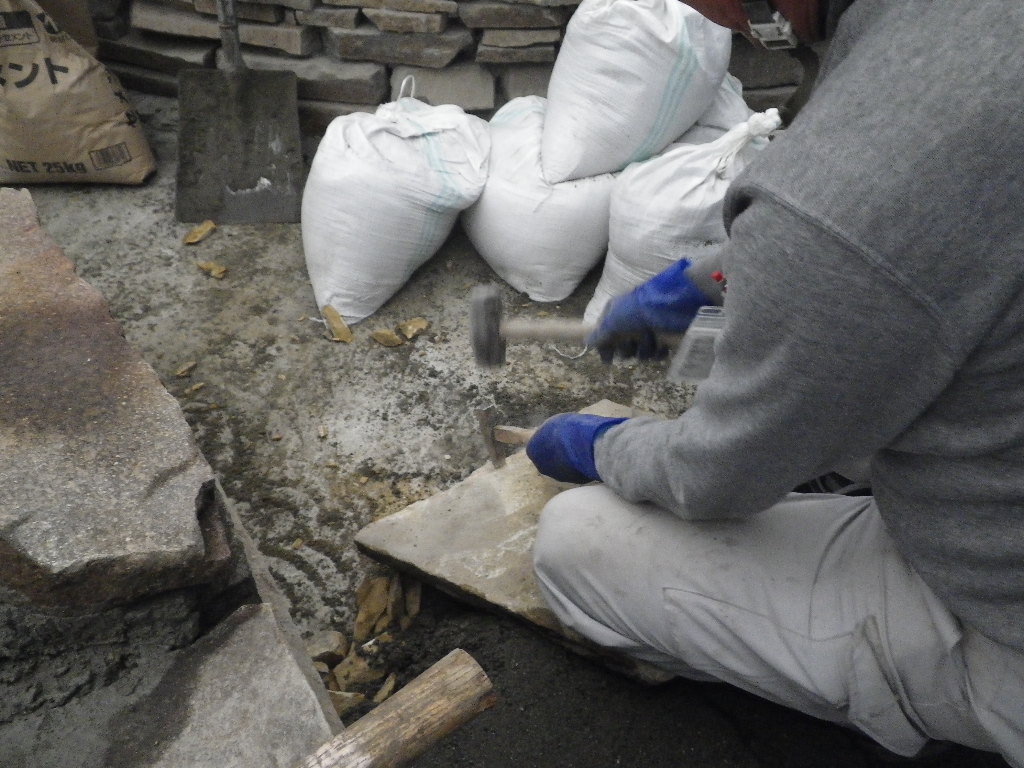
[[540, 238], [631, 76], [670, 207], [63, 117], [383, 192]]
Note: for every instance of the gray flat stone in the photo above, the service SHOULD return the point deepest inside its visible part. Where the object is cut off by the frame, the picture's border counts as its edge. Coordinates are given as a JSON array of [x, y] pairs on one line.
[[475, 540], [466, 85], [517, 38], [298, 5], [388, 20], [326, 16], [268, 14], [355, 3], [486, 13], [155, 17], [532, 54], [423, 6], [104, 495], [367, 43], [158, 52], [527, 80]]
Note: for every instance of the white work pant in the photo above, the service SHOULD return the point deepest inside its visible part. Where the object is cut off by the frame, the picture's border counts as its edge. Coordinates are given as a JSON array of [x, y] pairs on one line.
[[807, 604]]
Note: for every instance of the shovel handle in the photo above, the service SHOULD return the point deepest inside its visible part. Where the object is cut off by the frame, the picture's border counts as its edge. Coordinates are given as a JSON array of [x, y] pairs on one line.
[[227, 16]]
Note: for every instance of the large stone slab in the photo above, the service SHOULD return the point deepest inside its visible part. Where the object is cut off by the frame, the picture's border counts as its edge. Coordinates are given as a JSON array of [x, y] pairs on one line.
[[236, 698], [475, 541], [104, 495]]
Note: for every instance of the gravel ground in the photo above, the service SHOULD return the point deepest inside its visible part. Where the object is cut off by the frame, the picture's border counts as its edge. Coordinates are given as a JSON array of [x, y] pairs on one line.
[[313, 440]]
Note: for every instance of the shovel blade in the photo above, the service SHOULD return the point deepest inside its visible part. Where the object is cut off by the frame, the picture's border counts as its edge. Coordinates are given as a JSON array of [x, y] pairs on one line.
[[239, 147]]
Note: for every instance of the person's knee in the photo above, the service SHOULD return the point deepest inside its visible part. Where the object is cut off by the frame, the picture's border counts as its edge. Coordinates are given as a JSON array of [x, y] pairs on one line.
[[570, 531], [554, 542]]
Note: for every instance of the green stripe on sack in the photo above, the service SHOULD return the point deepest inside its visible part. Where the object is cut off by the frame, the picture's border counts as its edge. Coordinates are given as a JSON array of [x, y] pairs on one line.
[[445, 199], [679, 81]]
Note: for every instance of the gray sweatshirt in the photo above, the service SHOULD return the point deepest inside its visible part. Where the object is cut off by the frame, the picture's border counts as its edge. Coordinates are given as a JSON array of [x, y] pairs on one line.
[[876, 307]]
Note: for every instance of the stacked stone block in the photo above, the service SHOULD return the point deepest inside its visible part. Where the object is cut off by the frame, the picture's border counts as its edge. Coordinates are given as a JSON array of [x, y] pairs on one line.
[[352, 55]]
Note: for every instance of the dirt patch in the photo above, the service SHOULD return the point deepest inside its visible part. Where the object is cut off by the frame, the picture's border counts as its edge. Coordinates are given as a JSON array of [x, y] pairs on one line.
[[559, 710]]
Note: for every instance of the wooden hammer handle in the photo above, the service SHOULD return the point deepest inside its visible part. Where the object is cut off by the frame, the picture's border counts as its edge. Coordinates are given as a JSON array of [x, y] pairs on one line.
[[513, 435], [449, 694], [545, 329]]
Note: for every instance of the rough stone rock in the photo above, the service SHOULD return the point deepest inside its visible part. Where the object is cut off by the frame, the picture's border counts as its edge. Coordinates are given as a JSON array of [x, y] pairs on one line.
[[487, 13], [104, 496], [367, 43], [406, 21], [466, 85], [163, 54], [517, 38], [533, 54], [328, 647]]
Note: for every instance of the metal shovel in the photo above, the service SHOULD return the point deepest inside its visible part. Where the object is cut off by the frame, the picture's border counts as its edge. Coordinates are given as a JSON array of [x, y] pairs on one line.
[[239, 145]]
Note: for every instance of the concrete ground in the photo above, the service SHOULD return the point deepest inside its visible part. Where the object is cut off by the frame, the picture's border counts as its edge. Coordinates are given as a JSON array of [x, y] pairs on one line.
[[314, 439]]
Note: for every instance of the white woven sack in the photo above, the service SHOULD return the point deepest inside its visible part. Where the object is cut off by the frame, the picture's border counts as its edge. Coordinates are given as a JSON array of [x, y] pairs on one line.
[[383, 192], [631, 76], [670, 207], [540, 238], [728, 109]]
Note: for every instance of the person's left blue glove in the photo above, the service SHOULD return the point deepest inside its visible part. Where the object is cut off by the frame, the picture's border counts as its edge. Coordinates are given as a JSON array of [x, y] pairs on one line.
[[563, 446]]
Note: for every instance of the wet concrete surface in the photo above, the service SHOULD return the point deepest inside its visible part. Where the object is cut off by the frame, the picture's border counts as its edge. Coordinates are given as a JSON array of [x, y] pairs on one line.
[[313, 439]]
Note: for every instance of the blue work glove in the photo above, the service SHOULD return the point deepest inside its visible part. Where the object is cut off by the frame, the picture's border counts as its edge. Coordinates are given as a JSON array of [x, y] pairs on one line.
[[563, 447], [667, 303]]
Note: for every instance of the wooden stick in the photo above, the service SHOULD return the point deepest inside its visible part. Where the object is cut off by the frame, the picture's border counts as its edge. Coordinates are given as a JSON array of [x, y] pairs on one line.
[[513, 435], [449, 694]]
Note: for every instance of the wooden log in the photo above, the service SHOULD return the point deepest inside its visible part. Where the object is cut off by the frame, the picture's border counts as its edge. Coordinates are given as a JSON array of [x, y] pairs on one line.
[[450, 693]]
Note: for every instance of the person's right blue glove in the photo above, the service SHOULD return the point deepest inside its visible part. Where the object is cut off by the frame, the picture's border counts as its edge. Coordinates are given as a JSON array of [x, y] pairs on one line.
[[563, 446], [667, 303]]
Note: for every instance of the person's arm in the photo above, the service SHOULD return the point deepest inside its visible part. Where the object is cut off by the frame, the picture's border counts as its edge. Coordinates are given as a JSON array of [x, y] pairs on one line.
[[826, 355]]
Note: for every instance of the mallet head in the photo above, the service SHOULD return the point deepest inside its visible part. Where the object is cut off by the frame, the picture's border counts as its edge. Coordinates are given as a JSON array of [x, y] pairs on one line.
[[485, 314]]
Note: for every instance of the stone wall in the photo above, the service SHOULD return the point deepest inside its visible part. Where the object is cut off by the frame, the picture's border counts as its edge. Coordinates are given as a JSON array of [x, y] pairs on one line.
[[351, 55]]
